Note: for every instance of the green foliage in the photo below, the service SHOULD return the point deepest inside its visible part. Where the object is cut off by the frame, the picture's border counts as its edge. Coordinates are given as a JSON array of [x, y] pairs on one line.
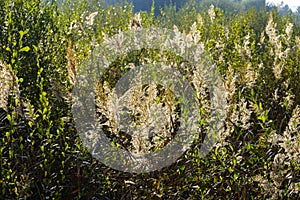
[[42, 156]]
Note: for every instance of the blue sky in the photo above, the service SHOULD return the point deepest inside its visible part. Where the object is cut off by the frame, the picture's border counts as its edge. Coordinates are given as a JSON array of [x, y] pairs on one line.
[[293, 4]]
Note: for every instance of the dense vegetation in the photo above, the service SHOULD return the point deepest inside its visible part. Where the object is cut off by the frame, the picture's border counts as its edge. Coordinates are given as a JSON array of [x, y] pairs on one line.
[[42, 156]]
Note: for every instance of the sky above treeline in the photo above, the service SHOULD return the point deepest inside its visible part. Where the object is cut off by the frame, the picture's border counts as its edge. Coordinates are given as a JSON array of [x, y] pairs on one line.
[[293, 4]]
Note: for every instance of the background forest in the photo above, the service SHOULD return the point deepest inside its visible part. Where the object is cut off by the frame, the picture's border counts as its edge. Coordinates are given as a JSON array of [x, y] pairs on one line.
[[256, 51]]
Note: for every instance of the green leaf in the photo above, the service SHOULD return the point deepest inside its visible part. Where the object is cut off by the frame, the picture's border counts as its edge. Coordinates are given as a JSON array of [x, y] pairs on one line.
[[26, 49], [9, 117], [35, 48], [22, 33]]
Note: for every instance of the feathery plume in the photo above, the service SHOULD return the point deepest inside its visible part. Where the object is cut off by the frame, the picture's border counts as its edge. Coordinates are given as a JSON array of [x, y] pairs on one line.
[[91, 18], [135, 22], [212, 13], [72, 64], [8, 84]]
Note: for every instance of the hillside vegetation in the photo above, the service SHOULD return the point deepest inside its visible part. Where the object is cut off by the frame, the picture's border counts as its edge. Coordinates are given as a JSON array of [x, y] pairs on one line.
[[42, 50]]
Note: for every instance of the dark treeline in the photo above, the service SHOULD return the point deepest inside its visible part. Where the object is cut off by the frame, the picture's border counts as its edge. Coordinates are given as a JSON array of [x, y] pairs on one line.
[[228, 6]]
